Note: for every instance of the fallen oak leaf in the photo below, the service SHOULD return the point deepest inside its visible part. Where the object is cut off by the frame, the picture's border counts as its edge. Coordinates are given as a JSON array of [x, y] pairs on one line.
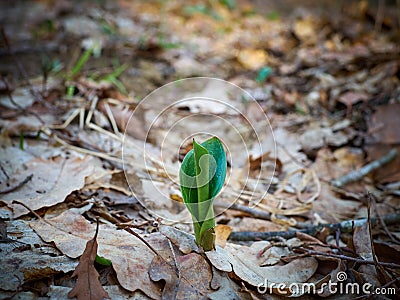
[[183, 240], [191, 282], [52, 181], [246, 265], [88, 285], [29, 259], [129, 256]]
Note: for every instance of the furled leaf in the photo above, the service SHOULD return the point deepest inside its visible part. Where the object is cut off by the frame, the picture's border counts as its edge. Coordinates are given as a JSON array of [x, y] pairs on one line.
[[202, 176], [88, 285], [217, 169]]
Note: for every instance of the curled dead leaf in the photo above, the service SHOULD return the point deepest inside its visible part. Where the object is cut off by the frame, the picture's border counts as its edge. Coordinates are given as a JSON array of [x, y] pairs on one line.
[[88, 285]]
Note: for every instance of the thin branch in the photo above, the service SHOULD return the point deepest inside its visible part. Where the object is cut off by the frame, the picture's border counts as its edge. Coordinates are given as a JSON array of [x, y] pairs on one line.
[[143, 240], [344, 257], [391, 236], [4, 172], [344, 226], [379, 269], [256, 213], [126, 229], [368, 168]]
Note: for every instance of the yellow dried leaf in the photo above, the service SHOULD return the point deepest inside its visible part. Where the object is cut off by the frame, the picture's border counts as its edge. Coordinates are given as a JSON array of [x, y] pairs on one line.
[[222, 233], [252, 59]]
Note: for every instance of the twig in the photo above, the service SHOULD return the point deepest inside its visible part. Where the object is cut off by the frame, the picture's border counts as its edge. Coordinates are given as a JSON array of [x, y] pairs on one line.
[[294, 159], [368, 168], [391, 236], [31, 210], [256, 213], [344, 257], [383, 287], [379, 269], [17, 186], [143, 240], [344, 226], [49, 223], [4, 172]]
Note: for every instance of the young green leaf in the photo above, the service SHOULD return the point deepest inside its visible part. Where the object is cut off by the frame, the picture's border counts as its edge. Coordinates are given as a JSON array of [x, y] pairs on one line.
[[202, 176]]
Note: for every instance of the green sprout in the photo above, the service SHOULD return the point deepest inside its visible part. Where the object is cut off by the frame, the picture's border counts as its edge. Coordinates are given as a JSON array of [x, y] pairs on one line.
[[202, 176]]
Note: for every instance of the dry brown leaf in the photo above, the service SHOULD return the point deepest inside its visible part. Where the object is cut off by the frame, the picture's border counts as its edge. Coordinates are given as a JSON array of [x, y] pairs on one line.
[[225, 287], [329, 206], [183, 240], [252, 59], [351, 98], [189, 280], [222, 233], [129, 256], [328, 269], [33, 263], [115, 292], [245, 263], [362, 241], [362, 246], [315, 138], [88, 285], [386, 252], [349, 158], [253, 224], [332, 208], [53, 180], [109, 179], [384, 136], [305, 30], [383, 127]]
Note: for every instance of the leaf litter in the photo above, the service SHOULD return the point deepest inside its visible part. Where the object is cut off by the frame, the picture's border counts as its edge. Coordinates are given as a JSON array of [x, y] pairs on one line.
[[331, 94], [88, 285]]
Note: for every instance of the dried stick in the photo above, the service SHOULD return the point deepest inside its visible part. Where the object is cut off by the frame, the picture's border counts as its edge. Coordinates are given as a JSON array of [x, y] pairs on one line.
[[51, 224], [390, 235], [344, 226], [256, 213], [368, 168], [4, 172], [344, 257]]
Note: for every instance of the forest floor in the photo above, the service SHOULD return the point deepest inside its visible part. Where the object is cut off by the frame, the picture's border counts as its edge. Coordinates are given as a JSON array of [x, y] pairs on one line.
[[305, 98]]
